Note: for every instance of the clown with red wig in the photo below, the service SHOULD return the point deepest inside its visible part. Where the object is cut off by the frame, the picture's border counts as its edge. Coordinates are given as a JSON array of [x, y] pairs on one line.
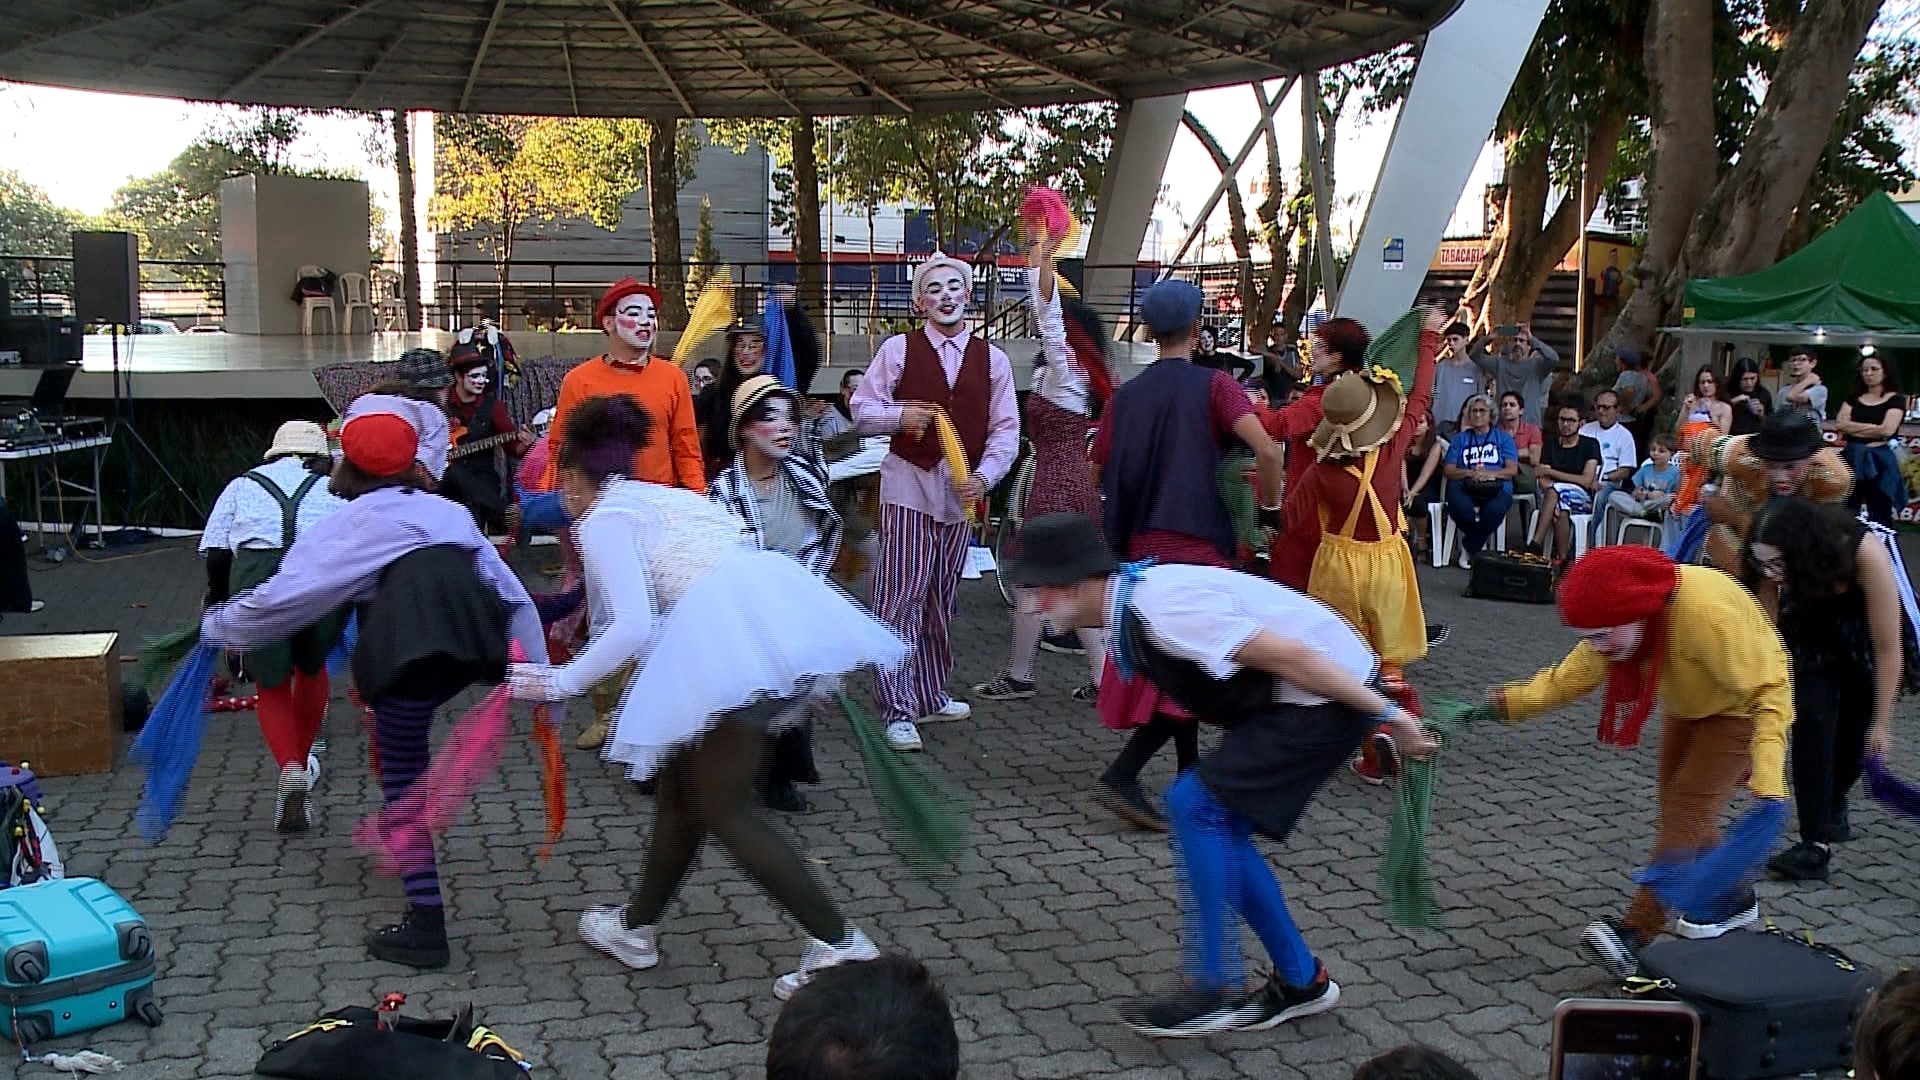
[[1691, 638]]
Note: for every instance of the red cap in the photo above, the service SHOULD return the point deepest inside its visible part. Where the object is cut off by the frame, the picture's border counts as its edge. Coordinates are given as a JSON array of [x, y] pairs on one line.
[[622, 289], [381, 444], [1614, 586]]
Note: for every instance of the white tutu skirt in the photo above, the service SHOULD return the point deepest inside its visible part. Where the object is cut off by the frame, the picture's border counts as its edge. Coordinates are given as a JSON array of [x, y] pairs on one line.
[[758, 625]]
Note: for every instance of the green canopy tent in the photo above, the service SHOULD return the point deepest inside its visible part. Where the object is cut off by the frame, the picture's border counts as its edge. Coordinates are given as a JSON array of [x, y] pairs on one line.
[[1857, 283]]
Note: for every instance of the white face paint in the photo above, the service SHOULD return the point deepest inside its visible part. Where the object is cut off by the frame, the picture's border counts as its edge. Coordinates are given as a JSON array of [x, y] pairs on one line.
[[634, 321], [1616, 642], [474, 381], [774, 435], [944, 295]]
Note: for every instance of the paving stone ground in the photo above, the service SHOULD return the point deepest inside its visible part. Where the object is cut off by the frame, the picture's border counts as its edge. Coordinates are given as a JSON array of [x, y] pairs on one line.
[[1058, 912]]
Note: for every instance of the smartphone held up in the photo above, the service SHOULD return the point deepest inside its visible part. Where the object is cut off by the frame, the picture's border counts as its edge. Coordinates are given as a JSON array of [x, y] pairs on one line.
[[1625, 1040]]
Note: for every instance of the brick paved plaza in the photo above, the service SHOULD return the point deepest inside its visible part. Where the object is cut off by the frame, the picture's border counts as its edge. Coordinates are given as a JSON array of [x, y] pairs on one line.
[[1058, 912]]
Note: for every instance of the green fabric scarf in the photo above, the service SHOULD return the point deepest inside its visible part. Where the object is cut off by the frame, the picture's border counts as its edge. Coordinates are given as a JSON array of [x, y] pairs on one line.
[[1405, 876], [927, 822]]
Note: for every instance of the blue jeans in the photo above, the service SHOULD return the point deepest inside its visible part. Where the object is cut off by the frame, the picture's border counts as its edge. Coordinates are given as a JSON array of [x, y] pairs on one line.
[[1223, 876], [1477, 520], [541, 510]]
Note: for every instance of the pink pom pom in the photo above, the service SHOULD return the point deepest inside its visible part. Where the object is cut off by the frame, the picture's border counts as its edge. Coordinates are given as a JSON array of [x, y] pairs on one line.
[[1046, 207]]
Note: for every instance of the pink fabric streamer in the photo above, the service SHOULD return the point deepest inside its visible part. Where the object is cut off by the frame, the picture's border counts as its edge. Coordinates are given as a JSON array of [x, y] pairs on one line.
[[1046, 208], [401, 835]]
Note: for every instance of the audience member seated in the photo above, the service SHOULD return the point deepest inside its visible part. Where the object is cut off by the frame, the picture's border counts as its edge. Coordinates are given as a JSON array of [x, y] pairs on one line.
[[882, 1019], [1569, 475], [1480, 466], [1413, 1062], [1420, 480], [1887, 1042], [1652, 489]]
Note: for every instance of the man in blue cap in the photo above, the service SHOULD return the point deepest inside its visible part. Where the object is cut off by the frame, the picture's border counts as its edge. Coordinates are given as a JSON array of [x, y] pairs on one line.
[[1158, 450]]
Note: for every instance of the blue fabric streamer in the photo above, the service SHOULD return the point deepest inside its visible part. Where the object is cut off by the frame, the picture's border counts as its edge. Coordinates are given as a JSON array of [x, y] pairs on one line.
[[342, 653], [779, 363], [1892, 792], [1687, 541], [169, 744], [1697, 885]]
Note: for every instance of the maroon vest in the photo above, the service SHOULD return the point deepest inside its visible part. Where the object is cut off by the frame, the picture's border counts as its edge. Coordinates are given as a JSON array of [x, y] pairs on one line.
[[967, 401]]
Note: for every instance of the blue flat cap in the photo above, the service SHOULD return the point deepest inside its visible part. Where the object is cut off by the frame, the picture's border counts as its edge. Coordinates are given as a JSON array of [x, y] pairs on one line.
[[1170, 306]]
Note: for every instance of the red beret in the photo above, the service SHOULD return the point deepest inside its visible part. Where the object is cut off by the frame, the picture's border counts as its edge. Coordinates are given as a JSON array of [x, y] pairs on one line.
[[622, 289], [1614, 586], [381, 444]]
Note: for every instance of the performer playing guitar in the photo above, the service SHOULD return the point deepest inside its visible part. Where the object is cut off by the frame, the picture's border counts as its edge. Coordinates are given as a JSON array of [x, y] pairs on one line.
[[479, 422]]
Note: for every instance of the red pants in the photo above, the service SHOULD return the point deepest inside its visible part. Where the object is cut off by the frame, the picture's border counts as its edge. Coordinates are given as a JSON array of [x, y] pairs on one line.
[[290, 716]]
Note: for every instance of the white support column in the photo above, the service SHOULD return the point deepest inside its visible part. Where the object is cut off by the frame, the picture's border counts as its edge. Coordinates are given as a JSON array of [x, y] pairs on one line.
[[1466, 69], [1142, 141]]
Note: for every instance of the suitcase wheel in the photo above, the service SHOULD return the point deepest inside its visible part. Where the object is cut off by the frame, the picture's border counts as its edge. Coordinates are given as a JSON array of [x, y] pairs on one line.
[[143, 1006], [28, 1030]]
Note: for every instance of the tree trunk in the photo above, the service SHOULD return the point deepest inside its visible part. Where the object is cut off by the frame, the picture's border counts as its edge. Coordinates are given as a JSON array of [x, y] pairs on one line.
[[806, 215], [663, 210], [409, 224], [1529, 245], [1237, 230], [1684, 160]]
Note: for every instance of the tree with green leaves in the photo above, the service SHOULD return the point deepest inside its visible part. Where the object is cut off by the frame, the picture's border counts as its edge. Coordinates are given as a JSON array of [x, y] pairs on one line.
[[496, 175], [669, 165], [970, 171], [30, 224]]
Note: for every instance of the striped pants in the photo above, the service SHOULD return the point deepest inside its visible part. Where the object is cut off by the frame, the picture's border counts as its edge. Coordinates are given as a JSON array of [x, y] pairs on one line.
[[403, 737], [914, 586]]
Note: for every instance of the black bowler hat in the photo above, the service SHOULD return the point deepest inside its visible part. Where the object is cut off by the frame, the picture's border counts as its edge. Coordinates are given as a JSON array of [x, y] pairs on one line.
[[1785, 437], [1059, 549]]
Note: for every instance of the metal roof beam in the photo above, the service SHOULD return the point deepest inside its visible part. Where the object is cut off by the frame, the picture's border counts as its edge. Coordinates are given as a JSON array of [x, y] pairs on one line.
[[766, 80], [652, 57], [480, 53], [378, 59], [1047, 66], [141, 11], [786, 35], [340, 18], [573, 88]]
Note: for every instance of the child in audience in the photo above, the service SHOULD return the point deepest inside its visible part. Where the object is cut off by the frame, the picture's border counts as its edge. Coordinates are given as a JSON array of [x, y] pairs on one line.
[[1652, 487], [1887, 1042]]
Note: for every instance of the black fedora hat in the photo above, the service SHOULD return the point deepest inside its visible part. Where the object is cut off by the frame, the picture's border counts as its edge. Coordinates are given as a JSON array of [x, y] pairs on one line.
[[1059, 549], [1785, 437]]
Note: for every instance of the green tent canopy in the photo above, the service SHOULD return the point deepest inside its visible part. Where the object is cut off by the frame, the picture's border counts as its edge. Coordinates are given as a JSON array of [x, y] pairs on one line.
[[1863, 274]]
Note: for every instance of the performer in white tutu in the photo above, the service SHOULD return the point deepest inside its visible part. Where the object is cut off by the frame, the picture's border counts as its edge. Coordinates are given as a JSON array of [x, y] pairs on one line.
[[731, 643]]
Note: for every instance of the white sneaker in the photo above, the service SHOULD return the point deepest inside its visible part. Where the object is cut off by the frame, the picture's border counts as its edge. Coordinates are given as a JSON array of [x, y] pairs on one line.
[[1466, 560], [313, 773], [952, 710], [605, 928], [292, 804], [903, 736], [819, 957]]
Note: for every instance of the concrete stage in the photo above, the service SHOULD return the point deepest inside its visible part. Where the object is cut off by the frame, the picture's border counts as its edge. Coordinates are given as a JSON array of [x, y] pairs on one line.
[[220, 367]]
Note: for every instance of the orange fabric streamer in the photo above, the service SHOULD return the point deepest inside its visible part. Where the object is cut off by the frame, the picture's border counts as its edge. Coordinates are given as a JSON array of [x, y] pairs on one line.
[[553, 777], [1693, 475]]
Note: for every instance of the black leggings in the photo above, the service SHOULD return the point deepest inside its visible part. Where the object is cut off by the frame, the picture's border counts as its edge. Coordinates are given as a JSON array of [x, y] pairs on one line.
[[712, 788], [1832, 711], [1147, 740]]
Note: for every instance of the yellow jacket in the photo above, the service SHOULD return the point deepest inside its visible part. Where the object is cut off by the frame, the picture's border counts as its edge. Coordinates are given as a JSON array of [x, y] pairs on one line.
[[1723, 658]]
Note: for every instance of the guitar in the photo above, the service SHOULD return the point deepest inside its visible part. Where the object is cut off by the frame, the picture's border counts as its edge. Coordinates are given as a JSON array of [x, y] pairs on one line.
[[487, 443]]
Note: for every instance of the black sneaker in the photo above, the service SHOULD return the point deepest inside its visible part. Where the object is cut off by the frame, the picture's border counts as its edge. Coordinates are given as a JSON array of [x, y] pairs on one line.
[[417, 941], [1736, 913], [786, 798], [1801, 862], [1279, 1003], [1841, 830], [1088, 693], [1004, 687], [1437, 634], [1064, 644], [1613, 947], [1130, 804], [1191, 1013]]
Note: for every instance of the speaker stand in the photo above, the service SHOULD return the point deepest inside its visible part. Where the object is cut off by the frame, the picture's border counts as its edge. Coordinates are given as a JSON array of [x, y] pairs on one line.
[[121, 423]]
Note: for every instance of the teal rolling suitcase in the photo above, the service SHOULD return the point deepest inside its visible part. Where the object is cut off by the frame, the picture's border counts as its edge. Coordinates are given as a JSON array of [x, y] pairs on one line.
[[73, 957]]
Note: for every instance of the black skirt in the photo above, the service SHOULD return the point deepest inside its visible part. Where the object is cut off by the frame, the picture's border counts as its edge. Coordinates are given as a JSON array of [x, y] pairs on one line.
[[433, 627]]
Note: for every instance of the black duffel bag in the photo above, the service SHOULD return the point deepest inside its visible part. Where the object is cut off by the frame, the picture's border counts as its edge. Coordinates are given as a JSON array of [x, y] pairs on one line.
[[351, 1044]]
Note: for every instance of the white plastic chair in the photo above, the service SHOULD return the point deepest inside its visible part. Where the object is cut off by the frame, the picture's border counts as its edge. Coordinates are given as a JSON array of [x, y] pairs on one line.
[[1651, 526], [393, 305], [353, 290], [1577, 522], [311, 304], [1444, 533]]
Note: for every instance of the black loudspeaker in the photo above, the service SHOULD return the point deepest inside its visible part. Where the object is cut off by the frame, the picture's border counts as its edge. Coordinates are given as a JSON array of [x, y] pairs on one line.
[[106, 277]]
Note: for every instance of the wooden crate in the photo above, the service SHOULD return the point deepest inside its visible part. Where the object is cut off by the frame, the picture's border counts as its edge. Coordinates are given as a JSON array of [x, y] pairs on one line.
[[60, 704]]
